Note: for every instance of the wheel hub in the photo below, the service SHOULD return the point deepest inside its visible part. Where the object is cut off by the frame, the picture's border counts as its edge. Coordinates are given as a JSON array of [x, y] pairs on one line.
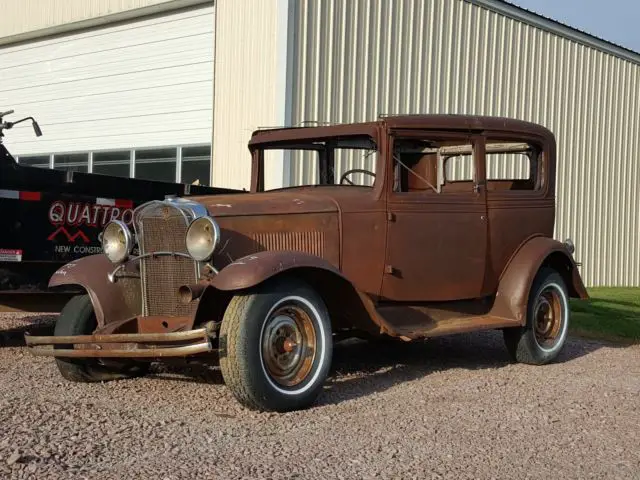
[[548, 318], [288, 345]]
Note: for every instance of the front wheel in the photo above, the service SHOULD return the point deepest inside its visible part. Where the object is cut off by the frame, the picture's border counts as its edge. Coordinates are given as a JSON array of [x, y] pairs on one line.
[[542, 338], [78, 318], [276, 346]]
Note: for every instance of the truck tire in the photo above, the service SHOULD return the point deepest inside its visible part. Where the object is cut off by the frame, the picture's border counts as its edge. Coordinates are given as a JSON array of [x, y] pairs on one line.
[[78, 318], [542, 338], [276, 346]]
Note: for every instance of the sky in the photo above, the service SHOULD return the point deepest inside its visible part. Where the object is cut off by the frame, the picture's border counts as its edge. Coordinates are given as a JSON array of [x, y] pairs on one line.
[[612, 20]]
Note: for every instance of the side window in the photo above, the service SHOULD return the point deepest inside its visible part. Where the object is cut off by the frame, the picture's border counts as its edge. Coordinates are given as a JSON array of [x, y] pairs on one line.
[[433, 166], [513, 165]]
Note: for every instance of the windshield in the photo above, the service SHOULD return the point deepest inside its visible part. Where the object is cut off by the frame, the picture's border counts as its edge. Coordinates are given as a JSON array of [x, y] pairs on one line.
[[349, 162]]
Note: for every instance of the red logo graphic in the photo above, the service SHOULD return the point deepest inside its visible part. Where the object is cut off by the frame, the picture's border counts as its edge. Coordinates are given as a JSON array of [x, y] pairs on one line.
[[71, 237]]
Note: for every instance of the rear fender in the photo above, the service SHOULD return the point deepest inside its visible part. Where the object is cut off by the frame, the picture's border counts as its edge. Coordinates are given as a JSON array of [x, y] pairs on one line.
[[109, 301], [517, 279]]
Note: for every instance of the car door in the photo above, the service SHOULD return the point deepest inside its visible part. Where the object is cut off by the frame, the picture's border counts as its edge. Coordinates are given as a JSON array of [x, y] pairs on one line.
[[520, 202], [437, 218]]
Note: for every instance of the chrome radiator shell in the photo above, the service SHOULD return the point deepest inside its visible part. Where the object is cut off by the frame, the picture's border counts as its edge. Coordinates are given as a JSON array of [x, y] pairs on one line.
[[161, 227]]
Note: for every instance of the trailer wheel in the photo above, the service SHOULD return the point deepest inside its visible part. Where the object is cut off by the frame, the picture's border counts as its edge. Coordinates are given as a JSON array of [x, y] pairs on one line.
[[78, 318], [542, 338], [276, 346]]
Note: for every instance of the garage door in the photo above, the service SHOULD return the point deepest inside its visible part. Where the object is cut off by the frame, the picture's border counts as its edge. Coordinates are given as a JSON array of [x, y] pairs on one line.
[[140, 90]]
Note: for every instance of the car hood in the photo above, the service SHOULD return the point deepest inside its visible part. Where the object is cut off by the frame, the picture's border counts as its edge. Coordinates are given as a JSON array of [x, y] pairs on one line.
[[268, 203]]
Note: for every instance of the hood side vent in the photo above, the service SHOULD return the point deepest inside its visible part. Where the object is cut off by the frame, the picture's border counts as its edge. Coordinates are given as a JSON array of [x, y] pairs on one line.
[[307, 242]]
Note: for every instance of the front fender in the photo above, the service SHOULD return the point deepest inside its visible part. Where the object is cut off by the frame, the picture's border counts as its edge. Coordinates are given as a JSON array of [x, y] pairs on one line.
[[252, 270], [90, 273], [340, 295], [517, 279]]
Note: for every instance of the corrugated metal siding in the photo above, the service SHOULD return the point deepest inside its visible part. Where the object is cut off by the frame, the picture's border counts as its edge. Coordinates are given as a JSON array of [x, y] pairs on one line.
[[136, 84], [20, 16], [245, 84], [358, 59]]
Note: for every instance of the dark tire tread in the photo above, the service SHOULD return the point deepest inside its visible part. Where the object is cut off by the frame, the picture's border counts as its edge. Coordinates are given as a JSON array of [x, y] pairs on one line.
[[77, 318], [234, 374]]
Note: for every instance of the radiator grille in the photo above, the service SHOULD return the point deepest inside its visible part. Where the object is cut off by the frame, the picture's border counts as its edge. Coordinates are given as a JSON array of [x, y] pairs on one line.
[[307, 242], [163, 229]]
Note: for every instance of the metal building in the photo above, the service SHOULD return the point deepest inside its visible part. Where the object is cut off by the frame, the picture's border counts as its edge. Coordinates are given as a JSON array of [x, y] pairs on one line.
[[156, 88], [343, 61]]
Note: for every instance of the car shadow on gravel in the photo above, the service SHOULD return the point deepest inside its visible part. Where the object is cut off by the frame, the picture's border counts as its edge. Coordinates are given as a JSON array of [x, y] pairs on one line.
[[192, 373], [13, 335], [362, 368], [359, 368]]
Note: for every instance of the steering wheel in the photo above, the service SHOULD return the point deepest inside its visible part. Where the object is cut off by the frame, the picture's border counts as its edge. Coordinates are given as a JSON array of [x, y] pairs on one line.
[[354, 170]]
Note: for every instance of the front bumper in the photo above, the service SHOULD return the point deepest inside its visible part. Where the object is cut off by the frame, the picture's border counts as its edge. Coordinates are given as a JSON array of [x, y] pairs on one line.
[[129, 345]]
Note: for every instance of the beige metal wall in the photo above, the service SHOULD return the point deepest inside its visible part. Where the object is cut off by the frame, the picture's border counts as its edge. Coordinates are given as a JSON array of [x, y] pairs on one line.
[[355, 60], [249, 88], [26, 19]]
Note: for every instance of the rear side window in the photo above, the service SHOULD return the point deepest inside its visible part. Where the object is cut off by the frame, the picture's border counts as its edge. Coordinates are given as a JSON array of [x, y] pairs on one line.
[[512, 165], [434, 166]]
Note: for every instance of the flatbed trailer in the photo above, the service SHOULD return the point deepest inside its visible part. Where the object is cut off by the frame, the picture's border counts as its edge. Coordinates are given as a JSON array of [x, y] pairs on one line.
[[51, 217]]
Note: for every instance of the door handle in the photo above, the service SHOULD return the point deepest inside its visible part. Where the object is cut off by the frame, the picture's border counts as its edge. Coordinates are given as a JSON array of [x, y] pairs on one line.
[[477, 188]]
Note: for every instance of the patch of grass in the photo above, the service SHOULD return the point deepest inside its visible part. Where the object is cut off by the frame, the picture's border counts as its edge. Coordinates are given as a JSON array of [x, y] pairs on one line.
[[610, 314]]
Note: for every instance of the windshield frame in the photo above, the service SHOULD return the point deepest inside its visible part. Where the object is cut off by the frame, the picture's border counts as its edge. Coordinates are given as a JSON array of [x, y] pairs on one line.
[[293, 139]]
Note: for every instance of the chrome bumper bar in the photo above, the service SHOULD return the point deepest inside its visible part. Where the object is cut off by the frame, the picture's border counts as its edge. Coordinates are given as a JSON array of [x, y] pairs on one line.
[[145, 345]]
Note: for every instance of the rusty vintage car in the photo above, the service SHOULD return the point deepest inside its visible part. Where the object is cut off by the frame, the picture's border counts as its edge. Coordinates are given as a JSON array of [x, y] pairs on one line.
[[408, 227]]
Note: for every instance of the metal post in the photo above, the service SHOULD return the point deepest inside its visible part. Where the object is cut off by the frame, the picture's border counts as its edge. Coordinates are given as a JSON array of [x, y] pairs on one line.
[[132, 163], [178, 164]]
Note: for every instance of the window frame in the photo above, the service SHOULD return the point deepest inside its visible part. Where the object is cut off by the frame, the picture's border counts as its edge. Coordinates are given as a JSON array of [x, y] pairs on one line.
[[468, 137], [325, 149], [543, 180]]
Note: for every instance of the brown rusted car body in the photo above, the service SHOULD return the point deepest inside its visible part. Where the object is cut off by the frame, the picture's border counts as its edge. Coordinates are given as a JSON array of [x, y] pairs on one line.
[[408, 262]]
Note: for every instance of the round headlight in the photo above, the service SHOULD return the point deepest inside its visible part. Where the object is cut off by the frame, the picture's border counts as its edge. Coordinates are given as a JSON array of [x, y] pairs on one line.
[[117, 241], [202, 239]]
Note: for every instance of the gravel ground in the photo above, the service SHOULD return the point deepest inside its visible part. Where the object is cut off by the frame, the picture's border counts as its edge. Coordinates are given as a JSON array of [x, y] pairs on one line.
[[448, 408]]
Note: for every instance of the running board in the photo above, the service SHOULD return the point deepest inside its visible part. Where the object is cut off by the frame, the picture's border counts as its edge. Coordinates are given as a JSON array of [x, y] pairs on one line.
[[412, 323]]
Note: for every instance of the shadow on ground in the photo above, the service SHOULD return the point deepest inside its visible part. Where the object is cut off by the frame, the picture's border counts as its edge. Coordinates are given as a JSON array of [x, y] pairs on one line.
[[359, 368], [364, 368], [12, 335]]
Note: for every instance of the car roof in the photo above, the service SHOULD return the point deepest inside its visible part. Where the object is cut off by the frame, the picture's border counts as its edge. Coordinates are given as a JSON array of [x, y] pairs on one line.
[[418, 121]]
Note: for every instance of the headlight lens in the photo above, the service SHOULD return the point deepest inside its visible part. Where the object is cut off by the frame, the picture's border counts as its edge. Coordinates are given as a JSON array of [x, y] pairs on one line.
[[117, 241], [202, 239]]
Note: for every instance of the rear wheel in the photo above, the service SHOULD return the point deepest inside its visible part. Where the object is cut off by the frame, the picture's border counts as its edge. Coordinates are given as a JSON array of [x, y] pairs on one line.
[[542, 338], [78, 318], [276, 346]]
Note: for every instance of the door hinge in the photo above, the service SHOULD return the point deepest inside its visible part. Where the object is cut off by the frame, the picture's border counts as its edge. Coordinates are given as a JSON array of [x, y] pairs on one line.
[[391, 216], [389, 270]]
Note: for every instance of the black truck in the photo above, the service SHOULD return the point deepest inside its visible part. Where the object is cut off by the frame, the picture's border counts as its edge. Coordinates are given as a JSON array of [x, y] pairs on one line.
[[49, 217]]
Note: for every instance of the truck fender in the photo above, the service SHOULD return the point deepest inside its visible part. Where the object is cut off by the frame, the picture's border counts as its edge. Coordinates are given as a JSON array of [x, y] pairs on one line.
[[517, 278], [90, 273]]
